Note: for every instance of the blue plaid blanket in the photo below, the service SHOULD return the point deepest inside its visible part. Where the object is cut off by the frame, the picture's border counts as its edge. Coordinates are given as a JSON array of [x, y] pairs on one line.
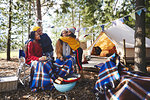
[[131, 85], [41, 76], [63, 68], [43, 73], [107, 76]]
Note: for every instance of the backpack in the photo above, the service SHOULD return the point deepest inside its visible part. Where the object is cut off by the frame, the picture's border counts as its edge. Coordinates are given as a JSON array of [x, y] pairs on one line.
[[26, 45]]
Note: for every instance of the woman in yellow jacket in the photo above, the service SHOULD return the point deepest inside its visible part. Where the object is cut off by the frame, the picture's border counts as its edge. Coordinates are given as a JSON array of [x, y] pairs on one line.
[[75, 45]]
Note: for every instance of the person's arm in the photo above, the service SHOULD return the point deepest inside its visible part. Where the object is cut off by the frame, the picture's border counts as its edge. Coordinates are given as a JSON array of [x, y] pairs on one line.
[[48, 38], [77, 39], [72, 42], [59, 49], [49, 42], [65, 39], [45, 40]]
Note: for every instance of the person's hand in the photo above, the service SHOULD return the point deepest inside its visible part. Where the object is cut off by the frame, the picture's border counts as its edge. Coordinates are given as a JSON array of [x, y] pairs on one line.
[[61, 58], [59, 80], [77, 39], [61, 66], [42, 58], [73, 55]]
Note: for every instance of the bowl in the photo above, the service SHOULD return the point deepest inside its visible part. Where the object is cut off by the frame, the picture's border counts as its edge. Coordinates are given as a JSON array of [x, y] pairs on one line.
[[64, 87], [68, 83]]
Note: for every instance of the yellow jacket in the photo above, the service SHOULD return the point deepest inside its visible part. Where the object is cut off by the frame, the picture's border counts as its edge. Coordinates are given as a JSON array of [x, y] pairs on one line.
[[72, 42]]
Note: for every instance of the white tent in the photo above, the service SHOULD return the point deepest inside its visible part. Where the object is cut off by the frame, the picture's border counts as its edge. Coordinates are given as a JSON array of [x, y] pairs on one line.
[[116, 33]]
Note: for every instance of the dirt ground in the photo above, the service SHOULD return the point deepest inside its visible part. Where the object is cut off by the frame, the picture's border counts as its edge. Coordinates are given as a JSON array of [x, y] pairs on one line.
[[83, 90]]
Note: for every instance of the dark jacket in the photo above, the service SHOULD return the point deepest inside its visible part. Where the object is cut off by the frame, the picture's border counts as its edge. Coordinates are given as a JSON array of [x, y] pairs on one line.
[[46, 43]]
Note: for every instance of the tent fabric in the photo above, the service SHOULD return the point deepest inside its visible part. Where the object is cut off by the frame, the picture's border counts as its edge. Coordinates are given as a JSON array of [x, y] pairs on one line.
[[122, 31], [104, 45], [116, 33]]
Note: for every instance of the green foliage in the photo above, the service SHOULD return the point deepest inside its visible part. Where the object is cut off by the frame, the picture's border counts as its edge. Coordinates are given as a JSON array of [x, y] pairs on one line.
[[97, 12], [3, 39], [20, 20], [92, 12], [64, 6]]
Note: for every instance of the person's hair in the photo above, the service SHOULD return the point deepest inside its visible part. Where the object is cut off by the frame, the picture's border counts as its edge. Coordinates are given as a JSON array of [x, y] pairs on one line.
[[32, 35], [61, 41], [72, 35]]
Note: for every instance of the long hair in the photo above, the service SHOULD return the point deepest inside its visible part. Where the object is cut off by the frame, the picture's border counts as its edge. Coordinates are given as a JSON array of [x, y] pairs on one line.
[[72, 35], [32, 35]]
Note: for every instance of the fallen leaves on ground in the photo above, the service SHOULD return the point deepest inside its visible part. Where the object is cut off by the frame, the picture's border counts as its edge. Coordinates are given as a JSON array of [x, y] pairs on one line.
[[83, 90]]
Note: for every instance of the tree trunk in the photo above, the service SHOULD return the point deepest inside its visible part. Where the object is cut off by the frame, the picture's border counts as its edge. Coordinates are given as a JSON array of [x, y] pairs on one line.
[[9, 32], [140, 50], [29, 18], [38, 4], [79, 26], [72, 17], [22, 36]]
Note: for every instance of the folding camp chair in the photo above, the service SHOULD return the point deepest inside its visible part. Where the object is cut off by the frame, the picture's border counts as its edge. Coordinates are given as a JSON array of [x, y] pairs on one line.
[[23, 72]]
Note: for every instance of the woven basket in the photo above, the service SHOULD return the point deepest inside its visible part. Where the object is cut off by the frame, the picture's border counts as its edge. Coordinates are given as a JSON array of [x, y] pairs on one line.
[[8, 83]]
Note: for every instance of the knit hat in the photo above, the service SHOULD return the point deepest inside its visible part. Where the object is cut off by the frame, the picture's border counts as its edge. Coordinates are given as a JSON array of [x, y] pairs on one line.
[[36, 28], [72, 30]]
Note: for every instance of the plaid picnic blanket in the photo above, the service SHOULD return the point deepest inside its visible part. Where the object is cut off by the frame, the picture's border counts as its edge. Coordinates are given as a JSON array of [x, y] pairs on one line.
[[108, 75], [63, 68], [132, 86], [43, 73], [41, 76]]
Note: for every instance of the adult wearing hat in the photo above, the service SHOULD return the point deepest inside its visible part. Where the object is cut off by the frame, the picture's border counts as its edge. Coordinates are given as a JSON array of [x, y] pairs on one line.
[[42, 74], [64, 55], [45, 42], [62, 48]]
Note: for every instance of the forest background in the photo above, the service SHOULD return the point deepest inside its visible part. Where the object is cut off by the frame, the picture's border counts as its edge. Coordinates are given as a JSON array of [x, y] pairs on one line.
[[18, 17]]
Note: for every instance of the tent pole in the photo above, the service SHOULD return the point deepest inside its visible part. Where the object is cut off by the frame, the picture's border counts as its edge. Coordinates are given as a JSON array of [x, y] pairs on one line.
[[124, 51]]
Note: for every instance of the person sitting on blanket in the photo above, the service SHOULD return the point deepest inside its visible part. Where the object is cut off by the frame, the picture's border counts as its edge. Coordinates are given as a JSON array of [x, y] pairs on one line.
[[62, 48], [45, 42], [64, 54], [42, 74], [75, 45]]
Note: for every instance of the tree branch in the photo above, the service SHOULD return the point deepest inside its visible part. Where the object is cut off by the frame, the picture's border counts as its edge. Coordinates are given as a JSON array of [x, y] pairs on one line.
[[115, 5]]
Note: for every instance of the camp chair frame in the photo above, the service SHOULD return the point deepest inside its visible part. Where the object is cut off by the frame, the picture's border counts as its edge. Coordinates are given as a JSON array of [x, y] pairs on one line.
[[22, 74]]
